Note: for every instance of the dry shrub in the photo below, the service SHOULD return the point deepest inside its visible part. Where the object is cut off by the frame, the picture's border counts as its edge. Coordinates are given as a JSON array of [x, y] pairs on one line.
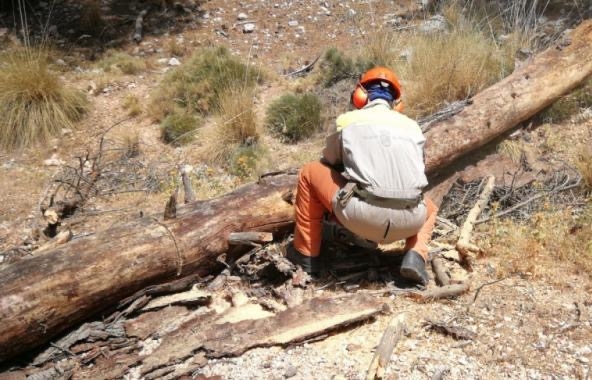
[[569, 105], [512, 149], [547, 240], [91, 17], [131, 145], [121, 62], [248, 161], [236, 124], [34, 103], [445, 67], [337, 66], [382, 48], [583, 163], [132, 105]]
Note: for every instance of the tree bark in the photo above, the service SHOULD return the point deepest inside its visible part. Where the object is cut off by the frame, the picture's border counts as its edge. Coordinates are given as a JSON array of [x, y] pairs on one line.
[[42, 296]]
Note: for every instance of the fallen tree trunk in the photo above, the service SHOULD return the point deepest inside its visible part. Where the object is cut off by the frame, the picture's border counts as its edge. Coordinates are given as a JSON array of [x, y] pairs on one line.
[[42, 296]]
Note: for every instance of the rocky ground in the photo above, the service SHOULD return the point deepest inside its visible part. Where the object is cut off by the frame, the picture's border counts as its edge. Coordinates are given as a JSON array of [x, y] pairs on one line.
[[521, 326]]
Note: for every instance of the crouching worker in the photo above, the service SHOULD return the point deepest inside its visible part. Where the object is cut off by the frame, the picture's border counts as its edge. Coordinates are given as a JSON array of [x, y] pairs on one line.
[[371, 177]]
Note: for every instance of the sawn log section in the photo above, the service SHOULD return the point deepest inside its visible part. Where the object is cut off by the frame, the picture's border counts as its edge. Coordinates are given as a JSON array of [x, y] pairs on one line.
[[43, 296]]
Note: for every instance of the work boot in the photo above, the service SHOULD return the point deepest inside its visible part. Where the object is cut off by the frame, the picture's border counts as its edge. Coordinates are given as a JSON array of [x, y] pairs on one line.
[[413, 268], [309, 264]]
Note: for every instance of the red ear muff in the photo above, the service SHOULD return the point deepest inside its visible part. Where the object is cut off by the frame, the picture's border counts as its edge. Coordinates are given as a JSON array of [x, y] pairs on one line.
[[359, 97]]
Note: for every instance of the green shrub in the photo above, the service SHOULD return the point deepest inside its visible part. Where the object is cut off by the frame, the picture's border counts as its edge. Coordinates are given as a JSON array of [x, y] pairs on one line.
[[196, 86], [245, 160], [294, 117], [335, 67], [34, 103], [179, 129]]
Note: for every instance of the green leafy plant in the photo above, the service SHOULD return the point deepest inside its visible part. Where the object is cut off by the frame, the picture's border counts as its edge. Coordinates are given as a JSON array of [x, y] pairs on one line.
[[294, 117]]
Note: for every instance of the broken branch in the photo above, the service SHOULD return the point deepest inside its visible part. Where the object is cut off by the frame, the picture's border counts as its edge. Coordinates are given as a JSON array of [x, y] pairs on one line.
[[383, 353], [464, 246], [442, 278]]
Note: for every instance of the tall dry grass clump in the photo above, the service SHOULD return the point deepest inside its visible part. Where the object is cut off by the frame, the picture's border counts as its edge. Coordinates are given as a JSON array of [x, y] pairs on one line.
[[445, 67], [442, 66], [34, 103], [382, 48], [91, 17], [236, 124]]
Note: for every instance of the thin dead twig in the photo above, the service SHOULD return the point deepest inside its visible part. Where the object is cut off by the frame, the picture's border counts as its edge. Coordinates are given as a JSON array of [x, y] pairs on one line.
[[179, 255], [305, 69], [482, 286], [529, 200]]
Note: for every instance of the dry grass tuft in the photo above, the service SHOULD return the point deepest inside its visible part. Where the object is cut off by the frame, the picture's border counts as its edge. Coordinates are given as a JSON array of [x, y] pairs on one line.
[[236, 125], [443, 66], [91, 17], [132, 105], [34, 103], [569, 105], [583, 163], [175, 48], [512, 149], [116, 61], [540, 245], [131, 145], [449, 67], [382, 48]]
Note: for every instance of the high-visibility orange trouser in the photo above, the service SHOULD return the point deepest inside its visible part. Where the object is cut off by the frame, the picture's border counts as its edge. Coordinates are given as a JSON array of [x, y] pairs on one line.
[[317, 185]]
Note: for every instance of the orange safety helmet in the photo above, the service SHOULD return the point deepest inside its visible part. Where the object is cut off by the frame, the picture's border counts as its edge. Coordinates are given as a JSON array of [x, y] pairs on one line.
[[359, 96]]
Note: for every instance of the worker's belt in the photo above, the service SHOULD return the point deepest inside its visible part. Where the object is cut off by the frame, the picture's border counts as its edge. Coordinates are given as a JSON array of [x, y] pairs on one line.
[[352, 189]]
